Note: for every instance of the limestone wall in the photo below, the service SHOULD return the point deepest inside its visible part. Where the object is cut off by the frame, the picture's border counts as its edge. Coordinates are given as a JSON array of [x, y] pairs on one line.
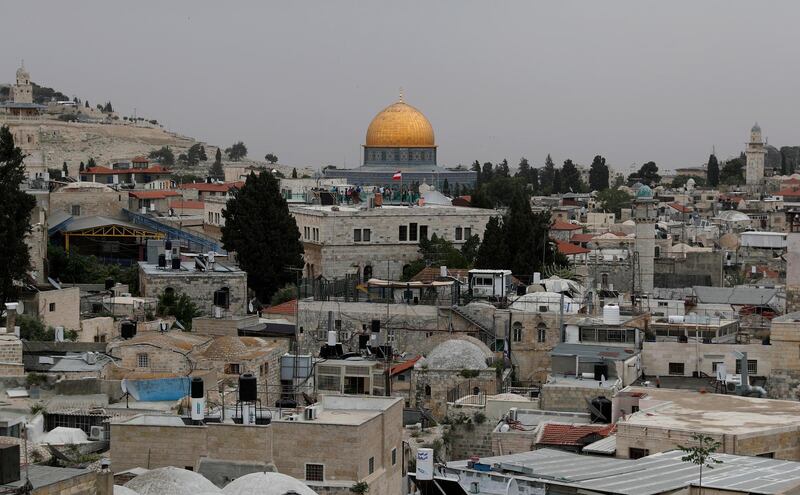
[[656, 357], [199, 286], [11, 356], [107, 203], [567, 398]]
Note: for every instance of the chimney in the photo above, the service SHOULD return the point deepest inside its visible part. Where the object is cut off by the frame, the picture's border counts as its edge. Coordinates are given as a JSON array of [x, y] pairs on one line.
[[11, 316]]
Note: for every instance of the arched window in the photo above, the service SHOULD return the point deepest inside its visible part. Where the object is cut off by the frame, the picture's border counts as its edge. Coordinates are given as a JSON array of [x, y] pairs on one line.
[[427, 390], [516, 332], [476, 391], [657, 252], [604, 280], [541, 332]]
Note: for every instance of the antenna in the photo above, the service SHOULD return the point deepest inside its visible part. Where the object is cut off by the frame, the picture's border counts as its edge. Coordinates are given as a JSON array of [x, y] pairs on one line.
[[401, 95]]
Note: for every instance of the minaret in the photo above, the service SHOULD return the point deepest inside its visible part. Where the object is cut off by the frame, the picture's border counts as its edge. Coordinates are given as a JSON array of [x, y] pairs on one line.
[[22, 92], [754, 172], [793, 261], [645, 214]]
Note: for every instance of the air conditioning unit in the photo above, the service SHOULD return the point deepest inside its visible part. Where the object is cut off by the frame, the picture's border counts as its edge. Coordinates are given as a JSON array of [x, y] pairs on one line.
[[97, 433], [512, 414], [292, 417], [310, 413]]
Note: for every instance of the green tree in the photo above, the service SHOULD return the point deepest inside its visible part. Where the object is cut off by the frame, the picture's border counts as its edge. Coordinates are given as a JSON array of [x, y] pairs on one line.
[[613, 200], [501, 169], [179, 306], [476, 167], [558, 185], [732, 172], [81, 167], [163, 155], [469, 251], [218, 156], [236, 151], [270, 157], [701, 454], [436, 251], [647, 174], [570, 178], [598, 174], [65, 170], [203, 156], [259, 227], [15, 215], [294, 173], [493, 252], [91, 163], [216, 171], [193, 154], [712, 171], [487, 172], [108, 108], [547, 177]]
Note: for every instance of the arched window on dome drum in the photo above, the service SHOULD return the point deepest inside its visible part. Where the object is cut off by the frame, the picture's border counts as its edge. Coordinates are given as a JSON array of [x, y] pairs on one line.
[[516, 332]]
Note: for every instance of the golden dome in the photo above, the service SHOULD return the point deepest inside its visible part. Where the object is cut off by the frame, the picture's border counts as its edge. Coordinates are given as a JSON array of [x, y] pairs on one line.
[[398, 126]]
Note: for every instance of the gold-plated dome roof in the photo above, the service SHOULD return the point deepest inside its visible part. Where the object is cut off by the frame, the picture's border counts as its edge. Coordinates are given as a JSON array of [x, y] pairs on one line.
[[398, 126]]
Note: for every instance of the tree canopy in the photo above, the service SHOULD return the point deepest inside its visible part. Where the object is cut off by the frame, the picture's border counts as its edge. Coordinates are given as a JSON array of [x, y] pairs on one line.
[[647, 174], [437, 251], [712, 171], [178, 305], [259, 228], [15, 214], [163, 155], [732, 172], [613, 200], [236, 151], [270, 157], [598, 174]]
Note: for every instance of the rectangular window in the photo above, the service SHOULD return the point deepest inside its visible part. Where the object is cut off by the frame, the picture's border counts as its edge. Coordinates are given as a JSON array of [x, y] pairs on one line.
[[412, 232], [210, 217], [366, 234], [143, 360], [357, 235], [423, 231], [752, 366], [662, 304], [315, 472], [676, 369], [52, 307], [459, 233], [714, 365], [635, 453], [394, 456], [371, 465], [403, 233], [76, 210], [634, 409], [232, 369], [467, 233]]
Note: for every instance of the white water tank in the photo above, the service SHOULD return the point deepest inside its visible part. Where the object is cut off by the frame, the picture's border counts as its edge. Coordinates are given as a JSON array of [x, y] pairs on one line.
[[425, 464], [675, 318], [611, 314], [443, 271], [332, 338]]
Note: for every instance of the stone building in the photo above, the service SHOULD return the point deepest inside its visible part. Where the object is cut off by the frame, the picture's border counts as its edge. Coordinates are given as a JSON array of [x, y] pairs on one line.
[[351, 440], [199, 285], [378, 242], [645, 215], [84, 199], [652, 420], [164, 354], [21, 103], [11, 355], [55, 307], [452, 371]]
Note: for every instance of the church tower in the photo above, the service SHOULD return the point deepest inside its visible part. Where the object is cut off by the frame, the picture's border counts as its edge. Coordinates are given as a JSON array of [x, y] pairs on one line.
[[755, 152], [645, 215], [22, 92]]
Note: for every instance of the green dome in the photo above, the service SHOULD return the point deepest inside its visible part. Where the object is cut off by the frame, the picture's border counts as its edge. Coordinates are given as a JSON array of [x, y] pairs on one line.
[[644, 192]]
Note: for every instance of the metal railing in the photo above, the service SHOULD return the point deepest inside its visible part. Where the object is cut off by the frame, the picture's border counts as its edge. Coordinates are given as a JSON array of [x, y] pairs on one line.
[[196, 240]]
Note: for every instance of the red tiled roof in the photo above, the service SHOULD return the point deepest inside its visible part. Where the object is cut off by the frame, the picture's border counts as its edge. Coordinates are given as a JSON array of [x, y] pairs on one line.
[[792, 192], [140, 159], [793, 180], [679, 207], [287, 308], [581, 237], [561, 434], [100, 170], [397, 369], [192, 205], [206, 187], [559, 225], [568, 249], [158, 194]]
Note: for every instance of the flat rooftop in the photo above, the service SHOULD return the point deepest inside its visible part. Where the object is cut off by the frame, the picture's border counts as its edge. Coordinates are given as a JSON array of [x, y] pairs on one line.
[[390, 210], [711, 413], [188, 269]]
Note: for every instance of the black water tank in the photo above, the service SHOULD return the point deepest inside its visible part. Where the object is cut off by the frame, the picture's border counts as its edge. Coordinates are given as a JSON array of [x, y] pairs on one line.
[[176, 263], [286, 403], [600, 370], [603, 405], [247, 388], [9, 464], [127, 329], [197, 388], [168, 245], [109, 283], [363, 341], [376, 326], [683, 339], [162, 260]]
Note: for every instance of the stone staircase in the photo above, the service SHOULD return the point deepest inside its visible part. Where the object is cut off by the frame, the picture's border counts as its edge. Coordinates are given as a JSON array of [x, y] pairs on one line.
[[486, 334]]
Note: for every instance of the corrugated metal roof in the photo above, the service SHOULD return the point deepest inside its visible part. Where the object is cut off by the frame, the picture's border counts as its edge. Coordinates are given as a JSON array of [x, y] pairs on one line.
[[607, 445], [733, 295], [83, 223], [594, 352]]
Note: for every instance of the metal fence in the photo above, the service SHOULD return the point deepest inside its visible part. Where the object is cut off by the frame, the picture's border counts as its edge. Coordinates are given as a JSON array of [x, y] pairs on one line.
[[467, 393]]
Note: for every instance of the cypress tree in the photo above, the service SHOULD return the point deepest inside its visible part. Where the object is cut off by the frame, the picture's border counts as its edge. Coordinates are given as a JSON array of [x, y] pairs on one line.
[[15, 215], [712, 172], [264, 235]]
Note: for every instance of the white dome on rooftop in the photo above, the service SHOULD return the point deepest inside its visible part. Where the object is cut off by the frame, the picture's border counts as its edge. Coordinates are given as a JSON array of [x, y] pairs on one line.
[[171, 481], [267, 484], [457, 354]]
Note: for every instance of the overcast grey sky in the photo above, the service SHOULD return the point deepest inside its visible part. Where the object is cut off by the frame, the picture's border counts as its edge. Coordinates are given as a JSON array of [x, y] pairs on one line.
[[631, 80]]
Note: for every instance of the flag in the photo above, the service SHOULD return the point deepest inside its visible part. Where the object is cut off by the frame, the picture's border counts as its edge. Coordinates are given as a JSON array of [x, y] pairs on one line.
[[397, 176]]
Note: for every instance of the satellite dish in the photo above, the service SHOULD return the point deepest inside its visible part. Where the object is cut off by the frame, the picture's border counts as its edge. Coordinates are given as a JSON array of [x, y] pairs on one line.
[[20, 307]]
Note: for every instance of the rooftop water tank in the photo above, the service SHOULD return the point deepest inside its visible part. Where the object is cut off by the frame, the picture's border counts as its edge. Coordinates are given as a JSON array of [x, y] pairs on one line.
[[611, 314], [248, 388]]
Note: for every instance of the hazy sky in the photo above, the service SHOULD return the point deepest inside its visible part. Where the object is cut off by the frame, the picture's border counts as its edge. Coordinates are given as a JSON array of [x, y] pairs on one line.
[[631, 80]]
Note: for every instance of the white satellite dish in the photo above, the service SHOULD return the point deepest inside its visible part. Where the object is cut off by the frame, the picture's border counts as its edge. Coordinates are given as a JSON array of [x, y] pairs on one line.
[[20, 307]]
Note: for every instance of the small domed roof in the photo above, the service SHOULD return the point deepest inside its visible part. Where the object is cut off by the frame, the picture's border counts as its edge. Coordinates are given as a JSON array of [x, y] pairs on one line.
[[400, 125], [171, 481], [22, 73], [267, 484], [456, 354], [644, 192], [756, 128]]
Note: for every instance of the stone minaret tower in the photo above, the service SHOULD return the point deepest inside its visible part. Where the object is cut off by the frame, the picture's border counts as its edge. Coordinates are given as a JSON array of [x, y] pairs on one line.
[[22, 92], [754, 173], [645, 216], [793, 261]]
